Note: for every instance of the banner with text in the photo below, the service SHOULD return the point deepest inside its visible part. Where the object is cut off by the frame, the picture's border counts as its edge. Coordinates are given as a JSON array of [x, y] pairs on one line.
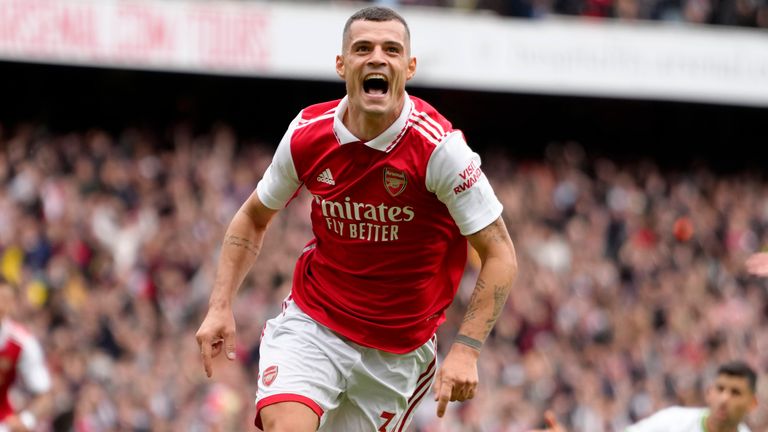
[[454, 49]]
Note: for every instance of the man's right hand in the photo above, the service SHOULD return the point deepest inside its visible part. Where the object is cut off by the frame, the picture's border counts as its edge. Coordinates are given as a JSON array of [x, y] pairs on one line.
[[216, 333], [552, 424]]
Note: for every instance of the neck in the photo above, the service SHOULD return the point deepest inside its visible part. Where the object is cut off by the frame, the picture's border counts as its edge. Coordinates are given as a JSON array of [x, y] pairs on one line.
[[711, 425], [367, 126]]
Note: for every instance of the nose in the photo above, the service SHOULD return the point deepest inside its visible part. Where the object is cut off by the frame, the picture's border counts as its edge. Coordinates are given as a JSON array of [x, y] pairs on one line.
[[377, 57], [723, 398]]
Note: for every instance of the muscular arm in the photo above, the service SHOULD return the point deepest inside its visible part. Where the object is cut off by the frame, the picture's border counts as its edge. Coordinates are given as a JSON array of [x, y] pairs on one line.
[[497, 273], [457, 379], [241, 246]]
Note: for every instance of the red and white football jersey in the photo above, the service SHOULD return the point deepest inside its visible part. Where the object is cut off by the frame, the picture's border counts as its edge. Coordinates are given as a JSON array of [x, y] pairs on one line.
[[20, 355], [389, 218]]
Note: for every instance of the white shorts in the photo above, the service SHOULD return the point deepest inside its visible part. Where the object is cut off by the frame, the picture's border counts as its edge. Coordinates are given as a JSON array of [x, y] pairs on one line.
[[350, 387]]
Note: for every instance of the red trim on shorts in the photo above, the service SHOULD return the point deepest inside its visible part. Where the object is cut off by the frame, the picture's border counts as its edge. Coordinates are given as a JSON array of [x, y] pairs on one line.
[[423, 380], [285, 397], [429, 369], [413, 402]]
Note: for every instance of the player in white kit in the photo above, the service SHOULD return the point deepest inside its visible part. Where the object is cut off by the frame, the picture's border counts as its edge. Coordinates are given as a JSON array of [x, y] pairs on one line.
[[729, 399], [21, 362], [397, 193]]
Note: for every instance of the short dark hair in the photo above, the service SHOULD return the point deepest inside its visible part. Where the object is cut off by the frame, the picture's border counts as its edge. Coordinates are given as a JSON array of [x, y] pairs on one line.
[[740, 369], [378, 14]]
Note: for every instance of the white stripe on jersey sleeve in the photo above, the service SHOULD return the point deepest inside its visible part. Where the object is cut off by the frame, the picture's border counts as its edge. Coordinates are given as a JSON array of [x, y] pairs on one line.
[[428, 124], [303, 123], [280, 180], [32, 368], [473, 208], [425, 134]]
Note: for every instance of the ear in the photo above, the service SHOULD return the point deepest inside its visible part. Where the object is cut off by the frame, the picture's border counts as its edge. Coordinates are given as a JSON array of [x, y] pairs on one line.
[[411, 68], [340, 66]]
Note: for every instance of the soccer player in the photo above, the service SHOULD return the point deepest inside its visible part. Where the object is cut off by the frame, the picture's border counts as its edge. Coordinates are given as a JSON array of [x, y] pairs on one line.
[[729, 399], [21, 356], [397, 193]]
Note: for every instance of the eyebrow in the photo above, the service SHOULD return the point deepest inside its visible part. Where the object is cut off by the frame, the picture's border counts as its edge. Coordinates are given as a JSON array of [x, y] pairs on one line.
[[369, 42]]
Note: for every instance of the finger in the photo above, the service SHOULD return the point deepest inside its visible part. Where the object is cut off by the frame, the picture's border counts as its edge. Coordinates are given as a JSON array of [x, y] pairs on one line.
[[457, 393], [471, 394], [438, 382], [446, 390], [216, 347], [462, 392], [205, 353], [229, 345]]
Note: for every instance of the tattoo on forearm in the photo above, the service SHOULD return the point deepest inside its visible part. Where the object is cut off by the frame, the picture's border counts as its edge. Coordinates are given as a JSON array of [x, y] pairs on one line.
[[500, 293], [493, 232], [468, 341], [474, 301], [499, 299], [243, 243]]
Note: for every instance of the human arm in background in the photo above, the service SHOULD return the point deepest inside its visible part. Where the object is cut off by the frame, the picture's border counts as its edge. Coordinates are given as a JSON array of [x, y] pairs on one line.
[[552, 424]]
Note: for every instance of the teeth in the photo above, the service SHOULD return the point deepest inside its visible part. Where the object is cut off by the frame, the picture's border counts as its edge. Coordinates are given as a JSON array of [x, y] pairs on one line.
[[376, 76]]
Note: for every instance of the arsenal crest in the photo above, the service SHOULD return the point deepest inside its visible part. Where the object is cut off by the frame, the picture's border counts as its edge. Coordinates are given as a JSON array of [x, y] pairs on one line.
[[394, 181], [269, 375]]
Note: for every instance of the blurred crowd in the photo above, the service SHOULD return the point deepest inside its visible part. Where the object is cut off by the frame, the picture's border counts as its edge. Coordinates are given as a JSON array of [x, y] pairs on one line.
[[631, 291], [743, 13]]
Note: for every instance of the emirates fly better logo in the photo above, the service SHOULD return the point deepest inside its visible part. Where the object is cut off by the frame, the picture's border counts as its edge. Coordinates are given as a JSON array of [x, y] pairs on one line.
[[394, 181]]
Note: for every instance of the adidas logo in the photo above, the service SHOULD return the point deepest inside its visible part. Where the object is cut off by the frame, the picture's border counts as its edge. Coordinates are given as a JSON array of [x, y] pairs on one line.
[[326, 177]]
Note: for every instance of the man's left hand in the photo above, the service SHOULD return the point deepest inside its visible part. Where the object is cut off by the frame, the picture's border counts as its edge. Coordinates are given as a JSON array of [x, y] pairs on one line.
[[457, 378]]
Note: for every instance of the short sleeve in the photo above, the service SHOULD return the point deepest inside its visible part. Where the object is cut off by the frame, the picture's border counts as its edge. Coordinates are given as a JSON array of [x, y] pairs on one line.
[[280, 181], [455, 177], [32, 368]]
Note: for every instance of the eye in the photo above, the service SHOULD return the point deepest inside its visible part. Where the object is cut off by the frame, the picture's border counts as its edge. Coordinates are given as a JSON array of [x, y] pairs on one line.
[[393, 50], [362, 48]]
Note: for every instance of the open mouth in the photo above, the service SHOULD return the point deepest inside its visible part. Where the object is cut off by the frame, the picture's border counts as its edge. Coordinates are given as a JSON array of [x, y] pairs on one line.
[[375, 84]]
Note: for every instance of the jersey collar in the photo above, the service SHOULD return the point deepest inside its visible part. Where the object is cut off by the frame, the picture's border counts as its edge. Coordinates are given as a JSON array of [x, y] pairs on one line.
[[387, 140]]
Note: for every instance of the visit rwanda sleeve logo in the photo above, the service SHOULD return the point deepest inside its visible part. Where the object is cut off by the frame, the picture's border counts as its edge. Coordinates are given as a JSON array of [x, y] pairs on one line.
[[394, 181]]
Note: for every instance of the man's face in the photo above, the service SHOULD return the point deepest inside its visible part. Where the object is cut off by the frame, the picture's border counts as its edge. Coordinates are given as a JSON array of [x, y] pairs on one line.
[[375, 63], [730, 399]]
